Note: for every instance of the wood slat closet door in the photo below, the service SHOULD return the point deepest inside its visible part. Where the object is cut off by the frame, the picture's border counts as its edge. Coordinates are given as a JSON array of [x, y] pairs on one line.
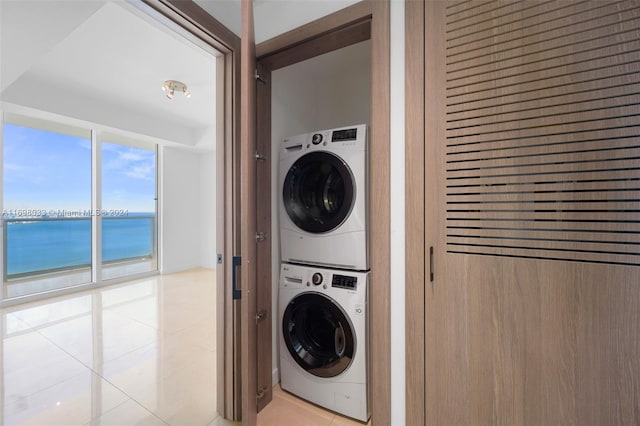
[[532, 109]]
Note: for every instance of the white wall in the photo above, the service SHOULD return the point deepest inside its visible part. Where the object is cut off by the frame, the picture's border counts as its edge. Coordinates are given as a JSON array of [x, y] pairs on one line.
[[188, 209], [328, 91], [208, 210]]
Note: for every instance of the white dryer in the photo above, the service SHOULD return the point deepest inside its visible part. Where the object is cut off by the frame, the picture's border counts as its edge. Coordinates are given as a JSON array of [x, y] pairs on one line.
[[323, 198], [324, 337]]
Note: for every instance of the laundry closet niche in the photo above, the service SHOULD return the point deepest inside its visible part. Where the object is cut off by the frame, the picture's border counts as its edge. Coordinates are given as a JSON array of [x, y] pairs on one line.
[[327, 91]]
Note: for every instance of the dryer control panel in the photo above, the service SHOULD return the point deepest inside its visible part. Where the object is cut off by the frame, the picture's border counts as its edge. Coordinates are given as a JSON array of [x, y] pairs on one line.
[[344, 281], [344, 135]]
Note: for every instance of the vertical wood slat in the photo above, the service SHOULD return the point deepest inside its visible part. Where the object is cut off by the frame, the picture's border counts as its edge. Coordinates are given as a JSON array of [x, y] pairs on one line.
[[439, 300], [248, 208], [224, 240], [416, 275], [496, 148], [264, 276], [380, 211]]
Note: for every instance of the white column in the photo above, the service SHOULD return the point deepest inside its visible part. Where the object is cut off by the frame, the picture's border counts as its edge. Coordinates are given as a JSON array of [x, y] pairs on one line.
[[96, 207]]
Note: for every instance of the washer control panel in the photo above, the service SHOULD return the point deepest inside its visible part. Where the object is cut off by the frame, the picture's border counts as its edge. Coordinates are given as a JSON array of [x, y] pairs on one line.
[[316, 279], [344, 281], [348, 138]]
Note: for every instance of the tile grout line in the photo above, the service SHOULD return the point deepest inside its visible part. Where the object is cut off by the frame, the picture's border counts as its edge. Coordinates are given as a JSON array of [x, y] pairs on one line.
[[92, 370], [124, 402]]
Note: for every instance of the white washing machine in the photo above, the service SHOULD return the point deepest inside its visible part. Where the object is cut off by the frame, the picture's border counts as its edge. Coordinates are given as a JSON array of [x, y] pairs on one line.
[[324, 337], [323, 198]]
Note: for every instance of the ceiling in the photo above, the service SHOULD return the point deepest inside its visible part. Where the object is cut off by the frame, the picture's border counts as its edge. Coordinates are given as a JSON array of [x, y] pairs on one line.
[[105, 62], [272, 17]]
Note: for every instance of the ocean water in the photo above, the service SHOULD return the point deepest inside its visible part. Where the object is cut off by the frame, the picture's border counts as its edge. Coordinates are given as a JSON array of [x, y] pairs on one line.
[[34, 246]]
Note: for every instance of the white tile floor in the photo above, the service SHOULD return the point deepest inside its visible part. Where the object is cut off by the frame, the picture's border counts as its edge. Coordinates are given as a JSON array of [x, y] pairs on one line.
[[140, 353], [136, 353]]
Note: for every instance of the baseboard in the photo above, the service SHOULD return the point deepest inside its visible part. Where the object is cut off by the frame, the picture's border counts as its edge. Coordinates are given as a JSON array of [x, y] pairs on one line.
[[172, 269]]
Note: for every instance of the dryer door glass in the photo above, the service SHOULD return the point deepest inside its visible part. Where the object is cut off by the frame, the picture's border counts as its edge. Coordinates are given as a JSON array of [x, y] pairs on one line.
[[318, 334], [318, 192]]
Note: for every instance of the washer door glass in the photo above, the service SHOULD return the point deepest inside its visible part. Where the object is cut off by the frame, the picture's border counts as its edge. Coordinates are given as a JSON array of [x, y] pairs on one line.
[[318, 192], [318, 335]]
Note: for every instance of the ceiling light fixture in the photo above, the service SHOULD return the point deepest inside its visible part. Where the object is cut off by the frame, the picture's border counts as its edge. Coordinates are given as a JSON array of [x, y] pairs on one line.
[[171, 86]]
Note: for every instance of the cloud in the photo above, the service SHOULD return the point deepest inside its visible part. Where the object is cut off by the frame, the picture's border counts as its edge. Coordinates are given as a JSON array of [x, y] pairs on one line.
[[130, 162], [131, 156], [143, 171], [12, 167], [22, 174], [85, 143]]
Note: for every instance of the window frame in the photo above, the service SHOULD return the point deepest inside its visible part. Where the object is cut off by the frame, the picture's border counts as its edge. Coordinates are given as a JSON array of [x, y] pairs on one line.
[[43, 120]]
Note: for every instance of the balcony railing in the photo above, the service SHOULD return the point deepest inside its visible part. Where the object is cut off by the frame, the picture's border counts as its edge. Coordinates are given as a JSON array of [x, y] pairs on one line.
[[39, 246]]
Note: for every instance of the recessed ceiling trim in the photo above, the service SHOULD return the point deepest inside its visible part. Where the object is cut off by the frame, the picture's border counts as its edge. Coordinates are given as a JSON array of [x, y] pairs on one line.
[[157, 19]]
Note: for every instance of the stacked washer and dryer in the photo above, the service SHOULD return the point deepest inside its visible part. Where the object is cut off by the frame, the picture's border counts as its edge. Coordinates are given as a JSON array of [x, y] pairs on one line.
[[324, 246]]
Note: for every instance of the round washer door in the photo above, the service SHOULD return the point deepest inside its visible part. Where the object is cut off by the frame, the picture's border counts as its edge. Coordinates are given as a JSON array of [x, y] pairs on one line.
[[318, 192], [318, 334]]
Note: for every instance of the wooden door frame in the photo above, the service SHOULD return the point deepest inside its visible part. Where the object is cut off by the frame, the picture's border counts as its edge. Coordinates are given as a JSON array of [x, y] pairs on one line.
[[202, 25], [359, 22], [416, 275], [248, 217], [263, 255]]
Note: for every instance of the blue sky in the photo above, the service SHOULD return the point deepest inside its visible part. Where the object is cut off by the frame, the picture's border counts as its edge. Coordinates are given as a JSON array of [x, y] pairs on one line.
[[52, 171], [128, 178]]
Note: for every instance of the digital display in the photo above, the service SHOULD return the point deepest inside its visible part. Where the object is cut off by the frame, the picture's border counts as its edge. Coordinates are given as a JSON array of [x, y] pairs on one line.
[[343, 281], [344, 135]]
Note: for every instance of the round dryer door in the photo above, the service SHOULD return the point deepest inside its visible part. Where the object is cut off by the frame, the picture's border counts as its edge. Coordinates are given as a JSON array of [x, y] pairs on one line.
[[318, 334], [318, 192]]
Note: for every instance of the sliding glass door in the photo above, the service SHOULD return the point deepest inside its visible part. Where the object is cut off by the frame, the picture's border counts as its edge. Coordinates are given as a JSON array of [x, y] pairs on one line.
[[46, 206], [128, 220], [76, 208]]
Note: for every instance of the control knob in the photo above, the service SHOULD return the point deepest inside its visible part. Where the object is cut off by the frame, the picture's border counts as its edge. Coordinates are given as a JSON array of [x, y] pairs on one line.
[[316, 138], [316, 279]]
